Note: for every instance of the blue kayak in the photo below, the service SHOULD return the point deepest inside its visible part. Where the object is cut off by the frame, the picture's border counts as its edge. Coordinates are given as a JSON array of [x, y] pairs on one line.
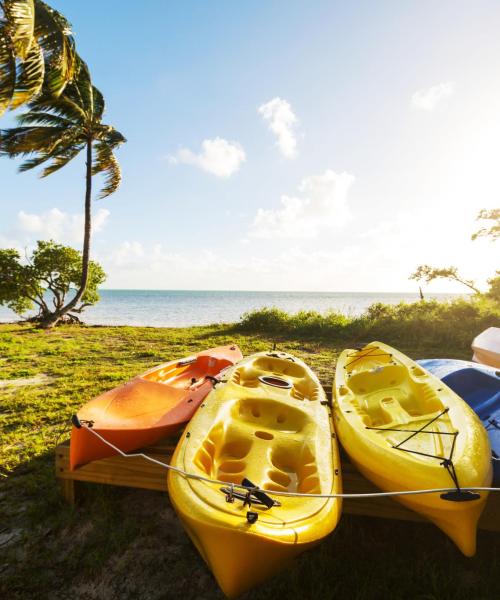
[[479, 386]]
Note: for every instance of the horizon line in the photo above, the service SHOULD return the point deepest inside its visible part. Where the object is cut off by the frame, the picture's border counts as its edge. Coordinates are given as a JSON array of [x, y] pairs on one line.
[[105, 289]]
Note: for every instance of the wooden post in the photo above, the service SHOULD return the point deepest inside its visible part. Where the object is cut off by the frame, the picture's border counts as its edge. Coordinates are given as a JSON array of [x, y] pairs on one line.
[[68, 490]]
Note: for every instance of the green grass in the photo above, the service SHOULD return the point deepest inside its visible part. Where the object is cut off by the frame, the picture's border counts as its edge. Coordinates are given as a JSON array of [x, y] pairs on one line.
[[119, 543]]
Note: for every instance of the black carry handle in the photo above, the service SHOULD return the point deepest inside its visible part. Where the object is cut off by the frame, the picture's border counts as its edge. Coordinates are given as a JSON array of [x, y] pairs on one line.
[[261, 496], [79, 422]]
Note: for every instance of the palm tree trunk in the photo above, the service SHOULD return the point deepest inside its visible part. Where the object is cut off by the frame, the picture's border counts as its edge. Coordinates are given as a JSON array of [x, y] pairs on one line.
[[57, 315]]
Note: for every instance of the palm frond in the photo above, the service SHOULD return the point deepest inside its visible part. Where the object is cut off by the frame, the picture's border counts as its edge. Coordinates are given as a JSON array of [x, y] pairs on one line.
[[30, 77], [32, 163], [61, 106], [60, 153], [21, 141], [98, 104], [7, 69], [54, 34], [62, 158], [80, 90], [20, 14], [109, 136], [35, 117], [105, 162]]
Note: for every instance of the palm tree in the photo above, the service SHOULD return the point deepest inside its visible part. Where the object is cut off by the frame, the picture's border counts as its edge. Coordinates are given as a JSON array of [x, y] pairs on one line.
[[37, 51], [54, 131]]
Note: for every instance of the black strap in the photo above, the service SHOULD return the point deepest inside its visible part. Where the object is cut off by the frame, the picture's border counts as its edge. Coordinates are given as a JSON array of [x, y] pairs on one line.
[[213, 380], [79, 422]]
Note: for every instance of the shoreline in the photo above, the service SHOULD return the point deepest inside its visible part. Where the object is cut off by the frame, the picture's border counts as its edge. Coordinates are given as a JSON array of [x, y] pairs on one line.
[[177, 308]]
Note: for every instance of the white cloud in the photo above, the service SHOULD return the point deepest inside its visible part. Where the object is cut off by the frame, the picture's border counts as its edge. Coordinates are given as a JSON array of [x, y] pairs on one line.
[[282, 122], [58, 225], [429, 98], [217, 156], [322, 203], [8, 242], [151, 266]]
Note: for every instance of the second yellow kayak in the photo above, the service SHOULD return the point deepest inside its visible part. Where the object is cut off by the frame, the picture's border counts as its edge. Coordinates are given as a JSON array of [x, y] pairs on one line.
[[267, 424], [405, 430]]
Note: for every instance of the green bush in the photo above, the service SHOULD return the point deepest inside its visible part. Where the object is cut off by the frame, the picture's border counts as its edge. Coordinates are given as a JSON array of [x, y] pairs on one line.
[[456, 322]]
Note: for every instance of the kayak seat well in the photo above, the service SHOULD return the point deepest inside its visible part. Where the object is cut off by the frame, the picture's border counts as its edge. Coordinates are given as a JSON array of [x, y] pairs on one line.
[[388, 395], [184, 374], [265, 441], [267, 368]]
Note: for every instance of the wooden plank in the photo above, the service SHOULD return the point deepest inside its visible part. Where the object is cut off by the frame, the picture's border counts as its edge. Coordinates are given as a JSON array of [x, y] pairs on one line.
[[139, 473], [118, 470]]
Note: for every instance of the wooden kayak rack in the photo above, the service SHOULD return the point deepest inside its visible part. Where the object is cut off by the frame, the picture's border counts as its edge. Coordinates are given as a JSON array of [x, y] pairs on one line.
[[135, 472]]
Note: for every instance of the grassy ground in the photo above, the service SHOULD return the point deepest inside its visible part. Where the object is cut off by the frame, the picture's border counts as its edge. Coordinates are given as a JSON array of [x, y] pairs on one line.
[[121, 544]]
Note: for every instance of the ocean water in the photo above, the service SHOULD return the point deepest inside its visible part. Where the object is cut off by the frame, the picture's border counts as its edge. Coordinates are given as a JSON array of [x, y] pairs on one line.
[[180, 308]]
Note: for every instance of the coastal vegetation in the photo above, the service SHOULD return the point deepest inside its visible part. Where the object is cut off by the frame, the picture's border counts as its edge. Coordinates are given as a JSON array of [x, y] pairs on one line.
[[39, 66], [45, 279], [55, 130], [121, 543], [436, 322], [426, 273], [491, 231]]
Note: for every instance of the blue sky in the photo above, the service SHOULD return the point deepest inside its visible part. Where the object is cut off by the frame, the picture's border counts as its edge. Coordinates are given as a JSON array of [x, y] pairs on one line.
[[282, 145]]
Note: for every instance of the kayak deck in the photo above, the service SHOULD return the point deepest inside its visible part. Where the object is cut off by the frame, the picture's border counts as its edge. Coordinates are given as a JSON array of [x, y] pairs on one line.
[[150, 406], [265, 424], [405, 430]]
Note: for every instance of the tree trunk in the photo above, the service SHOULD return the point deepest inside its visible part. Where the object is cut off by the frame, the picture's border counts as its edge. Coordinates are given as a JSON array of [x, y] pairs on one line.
[[469, 284], [57, 315]]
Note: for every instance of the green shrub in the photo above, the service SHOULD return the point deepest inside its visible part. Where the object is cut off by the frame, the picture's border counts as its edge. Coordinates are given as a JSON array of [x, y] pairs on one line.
[[456, 322]]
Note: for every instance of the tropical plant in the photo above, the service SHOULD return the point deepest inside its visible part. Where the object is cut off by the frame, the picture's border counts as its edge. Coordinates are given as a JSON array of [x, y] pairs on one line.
[[54, 131], [427, 274], [494, 289], [45, 279], [493, 230], [37, 51]]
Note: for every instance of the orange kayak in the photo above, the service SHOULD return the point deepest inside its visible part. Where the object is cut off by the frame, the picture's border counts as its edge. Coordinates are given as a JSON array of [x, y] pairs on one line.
[[148, 407]]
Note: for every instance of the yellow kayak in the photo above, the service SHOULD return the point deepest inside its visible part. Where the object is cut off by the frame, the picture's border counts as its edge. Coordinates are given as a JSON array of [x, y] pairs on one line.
[[405, 430], [266, 424]]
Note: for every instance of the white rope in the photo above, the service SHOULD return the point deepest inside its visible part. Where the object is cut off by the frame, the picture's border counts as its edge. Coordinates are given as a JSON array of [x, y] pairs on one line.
[[276, 493]]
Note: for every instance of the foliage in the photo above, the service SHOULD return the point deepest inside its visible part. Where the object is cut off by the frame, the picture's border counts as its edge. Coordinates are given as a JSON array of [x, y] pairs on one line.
[[427, 274], [37, 52], [49, 275], [432, 320], [56, 130], [275, 320], [493, 230], [102, 549], [494, 290], [52, 133]]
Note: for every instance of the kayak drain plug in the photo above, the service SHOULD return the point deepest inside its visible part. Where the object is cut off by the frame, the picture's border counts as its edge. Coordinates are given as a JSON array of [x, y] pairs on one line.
[[252, 517]]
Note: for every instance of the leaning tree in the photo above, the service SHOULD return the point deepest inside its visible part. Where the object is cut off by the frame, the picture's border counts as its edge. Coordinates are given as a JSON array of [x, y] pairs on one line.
[[43, 280], [52, 133]]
